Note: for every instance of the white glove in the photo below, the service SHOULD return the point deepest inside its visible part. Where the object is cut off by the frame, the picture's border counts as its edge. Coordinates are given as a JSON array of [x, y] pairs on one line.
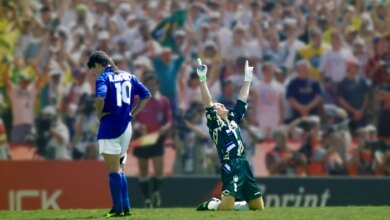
[[201, 70], [248, 72]]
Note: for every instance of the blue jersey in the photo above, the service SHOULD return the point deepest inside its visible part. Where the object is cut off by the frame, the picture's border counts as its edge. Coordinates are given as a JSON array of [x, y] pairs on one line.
[[118, 91]]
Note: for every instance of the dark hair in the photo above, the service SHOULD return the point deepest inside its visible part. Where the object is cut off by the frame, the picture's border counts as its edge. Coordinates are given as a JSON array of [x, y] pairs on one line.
[[45, 9], [150, 76], [101, 58]]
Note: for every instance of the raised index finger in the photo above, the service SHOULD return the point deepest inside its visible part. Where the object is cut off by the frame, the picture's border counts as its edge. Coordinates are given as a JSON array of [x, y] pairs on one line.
[[199, 61]]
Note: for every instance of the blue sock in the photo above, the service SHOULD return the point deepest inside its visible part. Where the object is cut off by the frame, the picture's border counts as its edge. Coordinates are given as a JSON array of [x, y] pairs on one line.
[[116, 189], [125, 193]]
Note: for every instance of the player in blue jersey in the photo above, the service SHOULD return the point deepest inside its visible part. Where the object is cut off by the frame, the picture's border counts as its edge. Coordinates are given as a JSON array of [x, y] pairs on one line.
[[238, 182], [115, 91]]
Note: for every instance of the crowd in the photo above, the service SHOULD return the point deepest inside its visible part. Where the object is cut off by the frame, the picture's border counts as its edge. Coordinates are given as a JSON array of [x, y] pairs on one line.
[[322, 77]]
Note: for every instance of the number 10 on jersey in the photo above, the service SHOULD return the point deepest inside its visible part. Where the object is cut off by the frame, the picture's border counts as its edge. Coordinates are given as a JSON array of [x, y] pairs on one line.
[[123, 91]]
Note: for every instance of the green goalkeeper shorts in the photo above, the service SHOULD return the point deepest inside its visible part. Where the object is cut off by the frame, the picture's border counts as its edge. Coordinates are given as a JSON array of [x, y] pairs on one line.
[[238, 180]]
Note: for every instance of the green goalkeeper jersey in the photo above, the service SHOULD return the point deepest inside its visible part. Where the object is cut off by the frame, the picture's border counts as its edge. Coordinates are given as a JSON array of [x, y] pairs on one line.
[[226, 134]]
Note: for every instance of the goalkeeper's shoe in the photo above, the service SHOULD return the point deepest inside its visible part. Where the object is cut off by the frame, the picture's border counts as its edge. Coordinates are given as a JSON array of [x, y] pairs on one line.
[[112, 213], [204, 206]]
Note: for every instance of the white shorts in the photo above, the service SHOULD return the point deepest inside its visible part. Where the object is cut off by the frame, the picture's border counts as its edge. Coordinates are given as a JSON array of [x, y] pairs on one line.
[[117, 145]]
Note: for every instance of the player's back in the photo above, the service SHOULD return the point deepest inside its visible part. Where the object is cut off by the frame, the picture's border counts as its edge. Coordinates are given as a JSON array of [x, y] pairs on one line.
[[120, 88]]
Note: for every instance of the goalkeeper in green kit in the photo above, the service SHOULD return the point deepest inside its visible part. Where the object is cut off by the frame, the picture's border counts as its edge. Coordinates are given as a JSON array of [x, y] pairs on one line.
[[237, 178]]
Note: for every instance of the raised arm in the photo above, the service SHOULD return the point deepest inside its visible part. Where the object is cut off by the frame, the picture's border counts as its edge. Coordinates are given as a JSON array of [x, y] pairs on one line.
[[202, 71], [244, 91]]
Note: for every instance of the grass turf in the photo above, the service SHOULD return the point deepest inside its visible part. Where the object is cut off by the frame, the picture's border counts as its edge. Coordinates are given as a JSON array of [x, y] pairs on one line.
[[293, 213]]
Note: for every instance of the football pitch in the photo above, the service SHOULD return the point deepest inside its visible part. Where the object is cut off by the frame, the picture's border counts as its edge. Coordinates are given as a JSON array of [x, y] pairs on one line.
[[312, 213]]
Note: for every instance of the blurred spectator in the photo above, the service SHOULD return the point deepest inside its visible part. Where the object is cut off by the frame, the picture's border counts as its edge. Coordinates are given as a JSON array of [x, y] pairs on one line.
[[71, 101], [55, 88], [315, 155], [138, 47], [142, 65], [222, 34], [333, 62], [280, 75], [292, 44], [228, 96], [92, 152], [80, 18], [380, 15], [303, 94], [167, 68], [122, 50], [132, 29], [353, 96], [269, 102], [204, 34], [196, 151], [103, 44], [5, 152], [383, 97], [274, 51], [282, 160], [329, 94], [362, 54], [86, 125], [313, 53], [235, 73], [123, 13], [153, 122], [212, 57], [251, 136], [350, 36], [79, 45], [189, 90], [382, 159], [48, 19], [239, 47], [101, 14], [36, 42], [373, 153], [51, 136], [379, 64], [363, 158], [9, 30], [183, 41], [231, 13], [120, 62], [23, 97], [336, 138], [25, 36]]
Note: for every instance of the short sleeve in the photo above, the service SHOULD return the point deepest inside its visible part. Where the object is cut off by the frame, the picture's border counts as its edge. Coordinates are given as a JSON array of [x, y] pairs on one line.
[[290, 90], [101, 87], [212, 118], [140, 89], [316, 88], [239, 111]]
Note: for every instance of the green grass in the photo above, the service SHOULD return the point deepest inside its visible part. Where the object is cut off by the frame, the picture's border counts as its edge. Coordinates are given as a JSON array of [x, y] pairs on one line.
[[328, 213]]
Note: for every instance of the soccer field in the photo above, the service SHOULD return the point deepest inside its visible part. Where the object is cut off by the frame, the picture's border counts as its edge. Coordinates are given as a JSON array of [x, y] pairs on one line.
[[328, 213]]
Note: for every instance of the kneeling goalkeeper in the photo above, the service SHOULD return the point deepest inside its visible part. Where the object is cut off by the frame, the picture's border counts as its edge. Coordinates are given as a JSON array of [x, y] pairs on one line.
[[237, 178]]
